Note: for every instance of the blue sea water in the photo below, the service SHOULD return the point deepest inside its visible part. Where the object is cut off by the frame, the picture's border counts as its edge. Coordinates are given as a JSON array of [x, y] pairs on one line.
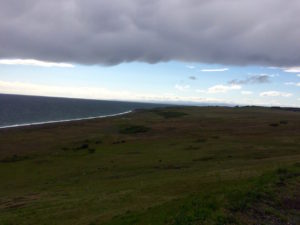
[[20, 110]]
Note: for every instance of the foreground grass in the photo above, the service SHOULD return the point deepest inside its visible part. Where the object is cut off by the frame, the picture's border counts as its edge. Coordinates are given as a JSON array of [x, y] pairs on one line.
[[184, 165], [269, 199]]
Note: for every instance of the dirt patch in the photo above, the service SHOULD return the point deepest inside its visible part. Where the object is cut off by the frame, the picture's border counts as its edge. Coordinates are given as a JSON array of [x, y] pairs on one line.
[[134, 129], [18, 202], [191, 148], [203, 159], [14, 158], [171, 167], [290, 203], [119, 142]]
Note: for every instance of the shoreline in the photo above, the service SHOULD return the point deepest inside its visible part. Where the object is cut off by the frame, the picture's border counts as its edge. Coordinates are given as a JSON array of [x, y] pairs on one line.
[[65, 120]]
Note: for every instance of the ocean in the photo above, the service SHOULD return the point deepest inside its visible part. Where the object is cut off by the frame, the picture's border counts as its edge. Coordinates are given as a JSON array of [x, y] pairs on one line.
[[21, 110]]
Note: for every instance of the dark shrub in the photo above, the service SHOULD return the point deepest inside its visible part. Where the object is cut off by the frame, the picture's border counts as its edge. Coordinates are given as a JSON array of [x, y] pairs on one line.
[[14, 158], [134, 129], [83, 146], [205, 158], [170, 114], [119, 142], [98, 142], [201, 140], [91, 150], [215, 137], [283, 122]]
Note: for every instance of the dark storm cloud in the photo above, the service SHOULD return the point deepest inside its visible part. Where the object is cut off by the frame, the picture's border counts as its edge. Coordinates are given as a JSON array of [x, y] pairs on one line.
[[239, 32], [255, 79]]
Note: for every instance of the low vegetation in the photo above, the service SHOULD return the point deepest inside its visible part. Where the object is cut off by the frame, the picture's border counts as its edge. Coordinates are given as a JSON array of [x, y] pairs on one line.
[[134, 129], [169, 114], [208, 166], [270, 199]]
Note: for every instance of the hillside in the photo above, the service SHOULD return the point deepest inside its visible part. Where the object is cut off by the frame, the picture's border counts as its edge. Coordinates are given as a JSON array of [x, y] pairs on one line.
[[180, 165]]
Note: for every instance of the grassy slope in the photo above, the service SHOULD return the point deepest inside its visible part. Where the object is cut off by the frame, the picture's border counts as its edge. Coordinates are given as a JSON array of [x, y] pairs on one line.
[[184, 166]]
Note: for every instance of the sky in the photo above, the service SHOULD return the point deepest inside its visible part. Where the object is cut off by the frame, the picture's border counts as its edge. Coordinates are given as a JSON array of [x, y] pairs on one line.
[[179, 51]]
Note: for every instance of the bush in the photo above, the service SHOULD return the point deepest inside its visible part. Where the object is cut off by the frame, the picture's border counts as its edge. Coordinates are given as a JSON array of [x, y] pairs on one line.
[[283, 122], [14, 158], [134, 129], [91, 150], [201, 140], [83, 146], [170, 114]]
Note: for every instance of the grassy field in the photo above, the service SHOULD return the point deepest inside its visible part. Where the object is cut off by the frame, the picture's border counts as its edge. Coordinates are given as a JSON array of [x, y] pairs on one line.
[[175, 166]]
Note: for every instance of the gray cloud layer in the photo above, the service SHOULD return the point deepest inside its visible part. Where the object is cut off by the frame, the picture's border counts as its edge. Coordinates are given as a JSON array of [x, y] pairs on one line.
[[255, 79], [239, 32]]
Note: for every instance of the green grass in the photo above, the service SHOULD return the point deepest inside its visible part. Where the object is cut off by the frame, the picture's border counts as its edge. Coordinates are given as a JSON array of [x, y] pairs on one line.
[[213, 165], [259, 200]]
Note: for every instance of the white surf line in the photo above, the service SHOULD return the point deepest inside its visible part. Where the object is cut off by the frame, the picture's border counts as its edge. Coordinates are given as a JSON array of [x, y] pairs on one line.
[[61, 121]]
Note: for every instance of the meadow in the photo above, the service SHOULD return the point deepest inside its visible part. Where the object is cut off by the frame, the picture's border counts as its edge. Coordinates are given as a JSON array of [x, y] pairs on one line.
[[175, 166]]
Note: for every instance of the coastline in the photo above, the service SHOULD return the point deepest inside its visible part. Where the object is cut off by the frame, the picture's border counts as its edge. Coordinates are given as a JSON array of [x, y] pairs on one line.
[[63, 121]]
